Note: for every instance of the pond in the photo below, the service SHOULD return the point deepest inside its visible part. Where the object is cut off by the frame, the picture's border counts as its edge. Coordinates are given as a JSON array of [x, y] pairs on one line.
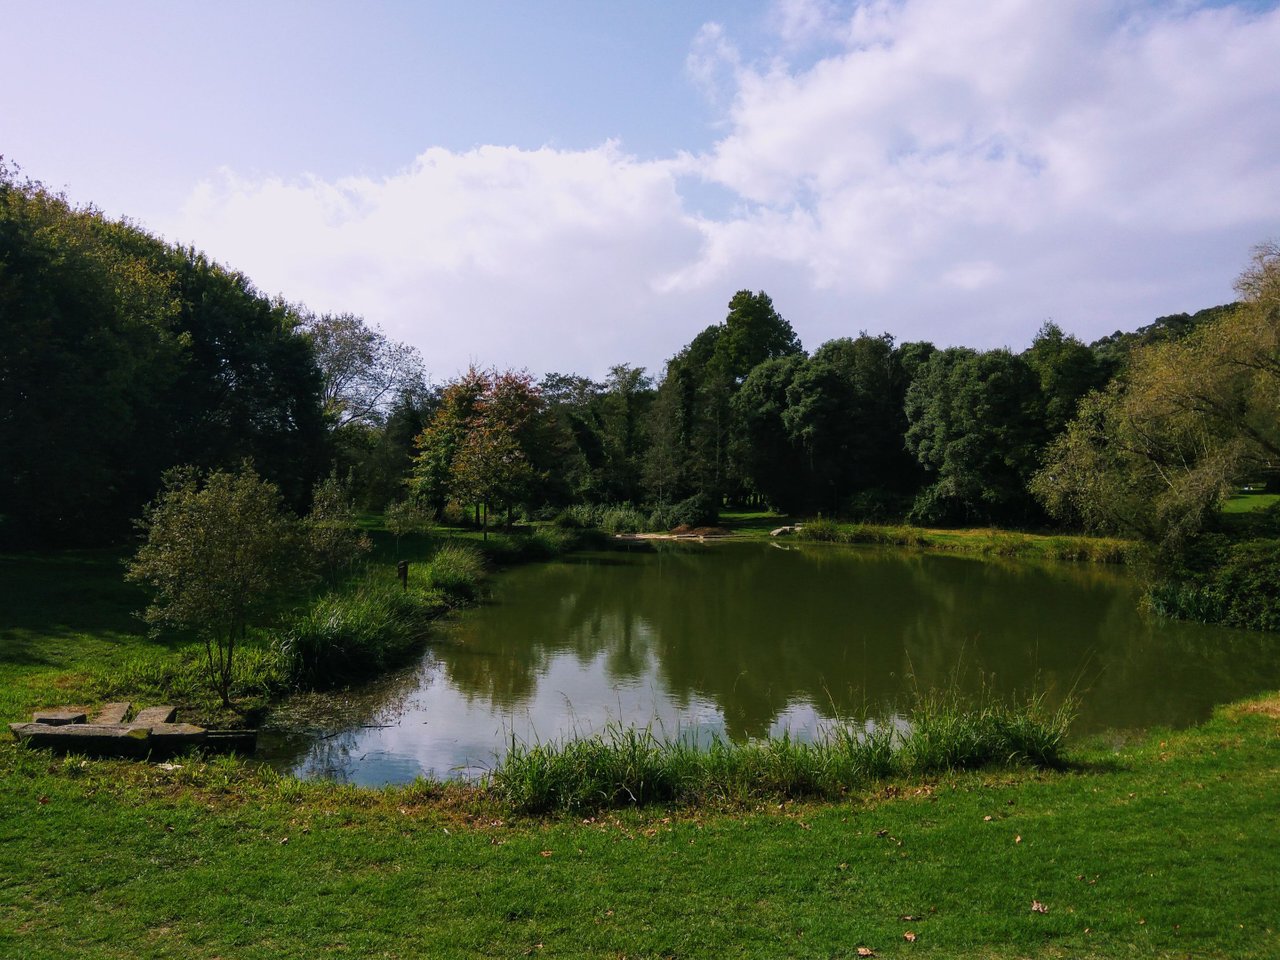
[[749, 640]]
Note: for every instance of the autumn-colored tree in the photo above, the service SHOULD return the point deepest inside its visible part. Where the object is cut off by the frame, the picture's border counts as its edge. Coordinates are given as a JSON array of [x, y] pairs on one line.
[[477, 448], [438, 444]]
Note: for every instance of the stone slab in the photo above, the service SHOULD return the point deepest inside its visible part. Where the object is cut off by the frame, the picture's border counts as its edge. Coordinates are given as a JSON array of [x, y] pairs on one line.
[[150, 716], [58, 718], [112, 713], [98, 739]]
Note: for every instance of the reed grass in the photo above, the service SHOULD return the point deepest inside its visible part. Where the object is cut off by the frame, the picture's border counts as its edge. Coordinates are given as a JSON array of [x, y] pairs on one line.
[[632, 766], [985, 542]]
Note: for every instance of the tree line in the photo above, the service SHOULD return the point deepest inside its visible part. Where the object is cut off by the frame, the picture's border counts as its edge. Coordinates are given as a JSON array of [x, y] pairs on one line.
[[122, 355]]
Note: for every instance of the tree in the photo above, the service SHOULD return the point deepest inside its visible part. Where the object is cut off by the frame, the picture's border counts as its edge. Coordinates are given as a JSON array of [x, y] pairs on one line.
[[406, 517], [1157, 452], [88, 353], [490, 468], [691, 423], [437, 445], [220, 554], [763, 448], [332, 533], [362, 371], [1067, 369], [479, 446], [844, 410], [976, 424]]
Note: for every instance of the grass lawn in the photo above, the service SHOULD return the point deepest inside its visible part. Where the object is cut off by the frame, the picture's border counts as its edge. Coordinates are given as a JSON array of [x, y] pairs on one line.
[[1248, 502], [1168, 846]]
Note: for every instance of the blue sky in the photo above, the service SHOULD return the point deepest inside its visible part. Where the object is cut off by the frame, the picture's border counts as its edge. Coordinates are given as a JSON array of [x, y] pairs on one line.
[[568, 185]]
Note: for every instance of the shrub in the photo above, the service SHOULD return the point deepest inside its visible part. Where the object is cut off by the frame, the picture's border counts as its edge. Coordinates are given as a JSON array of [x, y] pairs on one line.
[[1234, 584], [623, 518]]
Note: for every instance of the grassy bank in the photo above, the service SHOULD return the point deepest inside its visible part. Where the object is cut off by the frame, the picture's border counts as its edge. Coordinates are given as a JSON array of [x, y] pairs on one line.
[[984, 541], [1162, 848], [70, 634], [625, 767]]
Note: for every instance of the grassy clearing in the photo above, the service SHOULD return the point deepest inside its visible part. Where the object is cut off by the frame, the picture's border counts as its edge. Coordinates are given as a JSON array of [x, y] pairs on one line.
[[1162, 848], [1250, 502]]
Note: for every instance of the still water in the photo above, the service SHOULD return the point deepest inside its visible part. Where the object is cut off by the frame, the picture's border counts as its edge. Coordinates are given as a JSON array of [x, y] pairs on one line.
[[748, 639]]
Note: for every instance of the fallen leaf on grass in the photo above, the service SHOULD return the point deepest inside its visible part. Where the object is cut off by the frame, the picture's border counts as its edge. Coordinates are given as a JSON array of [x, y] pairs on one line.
[[545, 853], [1018, 838], [987, 818], [1038, 907], [909, 937], [866, 952], [908, 918]]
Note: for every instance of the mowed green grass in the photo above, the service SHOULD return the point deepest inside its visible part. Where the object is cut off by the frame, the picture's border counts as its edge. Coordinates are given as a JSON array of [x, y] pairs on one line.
[[1249, 502], [1167, 848], [64, 616]]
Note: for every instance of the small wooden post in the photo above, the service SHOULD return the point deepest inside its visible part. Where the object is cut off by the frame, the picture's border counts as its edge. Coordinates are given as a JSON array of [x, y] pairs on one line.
[[402, 571]]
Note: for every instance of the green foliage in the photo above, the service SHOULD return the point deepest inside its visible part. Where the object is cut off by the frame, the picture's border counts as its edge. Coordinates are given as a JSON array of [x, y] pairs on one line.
[[628, 766], [456, 569], [1159, 451], [220, 555], [976, 426], [352, 634], [1238, 585], [124, 356], [332, 533]]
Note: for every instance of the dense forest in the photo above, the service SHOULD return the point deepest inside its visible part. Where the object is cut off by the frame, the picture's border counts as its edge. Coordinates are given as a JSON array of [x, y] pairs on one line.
[[122, 356]]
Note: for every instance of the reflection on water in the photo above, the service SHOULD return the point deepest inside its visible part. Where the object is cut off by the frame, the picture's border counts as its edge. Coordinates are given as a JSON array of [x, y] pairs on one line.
[[747, 640]]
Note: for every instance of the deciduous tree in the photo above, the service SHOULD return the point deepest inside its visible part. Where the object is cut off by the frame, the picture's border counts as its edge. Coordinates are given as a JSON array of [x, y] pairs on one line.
[[220, 554]]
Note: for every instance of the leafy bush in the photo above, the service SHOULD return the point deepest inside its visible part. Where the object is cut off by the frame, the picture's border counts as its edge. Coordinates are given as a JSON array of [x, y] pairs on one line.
[[623, 518], [1236, 584]]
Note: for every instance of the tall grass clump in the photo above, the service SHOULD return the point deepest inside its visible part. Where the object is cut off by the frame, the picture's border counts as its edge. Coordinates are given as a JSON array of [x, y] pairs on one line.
[[944, 736], [620, 767], [456, 570], [354, 633], [629, 766], [821, 529]]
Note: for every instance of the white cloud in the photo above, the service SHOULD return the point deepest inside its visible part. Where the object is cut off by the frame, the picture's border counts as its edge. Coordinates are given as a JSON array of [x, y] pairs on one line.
[[941, 170], [544, 258]]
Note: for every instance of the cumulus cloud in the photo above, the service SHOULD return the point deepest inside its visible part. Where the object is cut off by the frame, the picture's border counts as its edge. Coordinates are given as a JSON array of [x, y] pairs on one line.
[[936, 170]]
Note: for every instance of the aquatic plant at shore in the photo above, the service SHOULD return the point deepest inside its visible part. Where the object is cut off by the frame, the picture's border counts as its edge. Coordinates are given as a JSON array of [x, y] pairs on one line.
[[629, 766]]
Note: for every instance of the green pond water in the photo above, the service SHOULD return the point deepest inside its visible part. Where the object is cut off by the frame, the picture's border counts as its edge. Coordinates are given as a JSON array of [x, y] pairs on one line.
[[749, 640]]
